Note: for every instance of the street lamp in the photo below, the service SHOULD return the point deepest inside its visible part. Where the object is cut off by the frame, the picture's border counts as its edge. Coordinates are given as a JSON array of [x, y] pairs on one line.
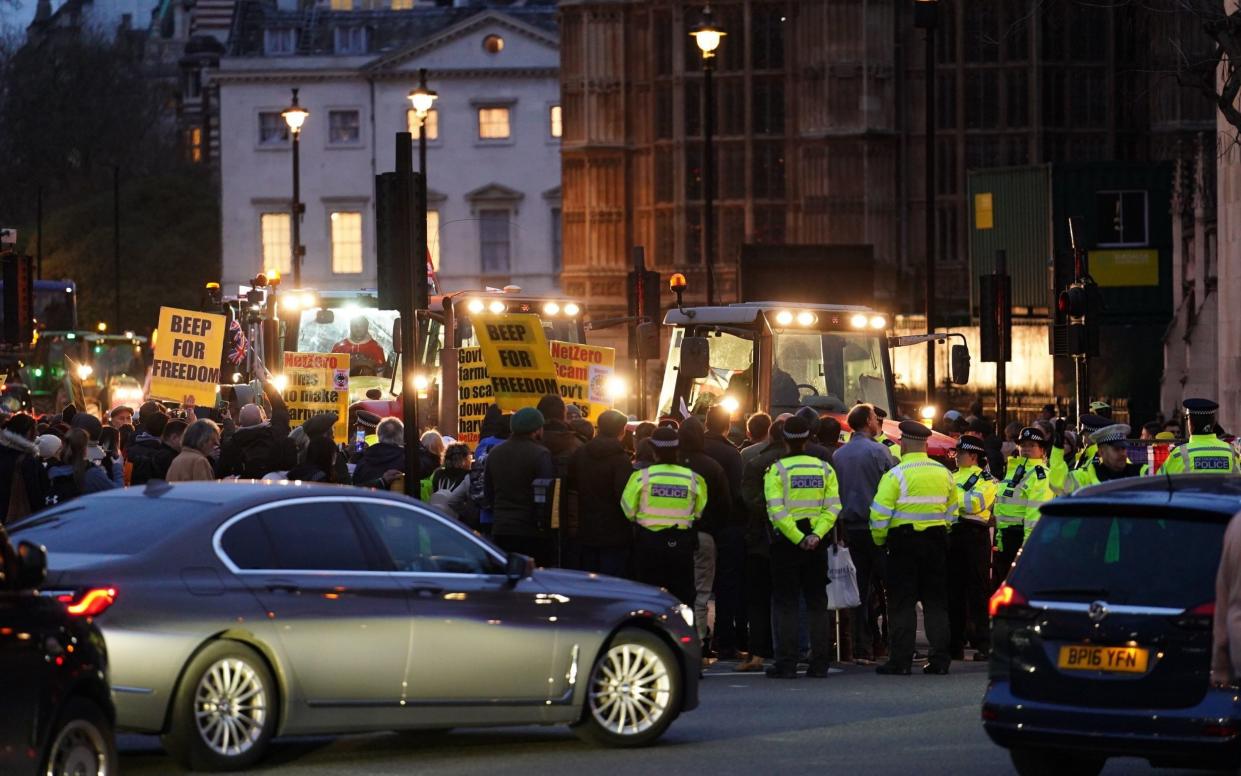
[[708, 36], [295, 116], [926, 17], [422, 99]]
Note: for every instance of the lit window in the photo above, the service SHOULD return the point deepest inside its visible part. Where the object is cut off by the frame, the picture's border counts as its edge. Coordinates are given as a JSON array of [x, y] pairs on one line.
[[493, 233], [351, 40], [433, 238], [493, 123], [194, 144], [344, 126], [275, 230], [273, 131], [342, 5], [432, 123], [279, 42], [402, 5], [493, 44], [346, 242], [556, 123]]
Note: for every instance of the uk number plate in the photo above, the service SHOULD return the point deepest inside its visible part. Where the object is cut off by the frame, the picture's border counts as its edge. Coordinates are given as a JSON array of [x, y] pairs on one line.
[[1086, 657]]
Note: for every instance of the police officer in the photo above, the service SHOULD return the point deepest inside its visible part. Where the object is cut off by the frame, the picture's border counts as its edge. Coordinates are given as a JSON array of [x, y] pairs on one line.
[[1113, 460], [1058, 464], [883, 439], [969, 551], [1026, 485], [802, 502], [665, 499], [1204, 453], [913, 508], [1091, 424]]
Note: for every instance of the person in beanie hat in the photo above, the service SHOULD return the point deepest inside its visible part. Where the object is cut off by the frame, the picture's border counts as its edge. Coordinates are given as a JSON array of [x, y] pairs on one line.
[[517, 482], [664, 500]]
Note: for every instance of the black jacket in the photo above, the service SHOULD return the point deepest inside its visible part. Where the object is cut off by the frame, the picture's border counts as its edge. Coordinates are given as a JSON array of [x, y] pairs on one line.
[[141, 455], [376, 460], [561, 441], [729, 458], [598, 473], [512, 467], [756, 535], [718, 512], [254, 451], [19, 462]]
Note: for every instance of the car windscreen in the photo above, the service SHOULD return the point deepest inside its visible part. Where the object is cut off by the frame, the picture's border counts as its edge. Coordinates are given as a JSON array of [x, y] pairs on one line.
[[90, 529], [1166, 561]]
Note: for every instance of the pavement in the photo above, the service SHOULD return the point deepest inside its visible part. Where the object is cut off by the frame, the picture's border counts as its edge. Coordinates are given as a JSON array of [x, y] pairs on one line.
[[852, 722]]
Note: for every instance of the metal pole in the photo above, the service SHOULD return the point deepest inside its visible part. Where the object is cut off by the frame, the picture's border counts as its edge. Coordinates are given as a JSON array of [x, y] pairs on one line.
[[296, 223], [116, 245], [38, 220], [708, 179], [1001, 367], [409, 345], [930, 211], [644, 305]]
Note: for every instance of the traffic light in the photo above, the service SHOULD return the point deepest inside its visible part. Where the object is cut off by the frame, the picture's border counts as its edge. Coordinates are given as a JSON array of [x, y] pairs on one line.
[[995, 317], [1078, 309], [18, 276], [642, 289]]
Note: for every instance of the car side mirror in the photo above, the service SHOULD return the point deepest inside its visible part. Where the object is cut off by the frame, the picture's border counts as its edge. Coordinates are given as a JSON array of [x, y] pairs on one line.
[[518, 567], [396, 337], [960, 364], [31, 566], [695, 358], [325, 315]]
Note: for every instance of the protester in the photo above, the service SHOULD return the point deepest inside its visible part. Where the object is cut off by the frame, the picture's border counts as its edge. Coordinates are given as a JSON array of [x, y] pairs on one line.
[[756, 429], [121, 416], [597, 473], [23, 481], [146, 445], [456, 467], [49, 447], [320, 463], [199, 444], [433, 442], [758, 546], [75, 475], [169, 448], [716, 515], [366, 355], [583, 428], [730, 639], [519, 473], [95, 453], [384, 461], [260, 445]]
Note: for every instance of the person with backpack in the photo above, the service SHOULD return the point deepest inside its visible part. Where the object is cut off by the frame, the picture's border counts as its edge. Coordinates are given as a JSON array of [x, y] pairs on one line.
[[494, 430], [140, 455], [259, 445], [23, 481], [75, 475]]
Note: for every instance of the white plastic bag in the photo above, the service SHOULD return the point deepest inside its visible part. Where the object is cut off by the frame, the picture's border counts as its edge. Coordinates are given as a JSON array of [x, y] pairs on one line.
[[842, 592]]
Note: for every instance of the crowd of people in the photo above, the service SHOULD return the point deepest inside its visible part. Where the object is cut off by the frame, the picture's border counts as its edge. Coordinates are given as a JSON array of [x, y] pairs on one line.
[[677, 503]]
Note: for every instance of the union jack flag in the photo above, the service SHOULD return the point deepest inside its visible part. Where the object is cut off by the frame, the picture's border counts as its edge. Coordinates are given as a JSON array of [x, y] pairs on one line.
[[237, 344]]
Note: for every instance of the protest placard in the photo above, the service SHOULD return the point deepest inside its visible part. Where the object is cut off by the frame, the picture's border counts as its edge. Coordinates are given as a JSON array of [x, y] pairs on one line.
[[187, 356], [318, 383]]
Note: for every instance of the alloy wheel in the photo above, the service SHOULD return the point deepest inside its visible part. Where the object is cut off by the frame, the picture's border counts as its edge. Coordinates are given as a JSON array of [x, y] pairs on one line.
[[79, 750], [230, 707], [631, 689]]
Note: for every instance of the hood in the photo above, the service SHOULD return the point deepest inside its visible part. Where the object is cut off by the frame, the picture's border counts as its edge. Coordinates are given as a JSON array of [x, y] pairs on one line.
[[18, 443], [691, 436], [246, 434], [559, 438], [568, 583], [385, 454], [603, 447], [495, 423]]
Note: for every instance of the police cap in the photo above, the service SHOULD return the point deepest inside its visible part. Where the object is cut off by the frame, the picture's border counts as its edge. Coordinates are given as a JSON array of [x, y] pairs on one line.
[[1032, 434], [1200, 406], [1092, 423], [796, 427], [1115, 434], [368, 419], [880, 412], [912, 429], [665, 437], [811, 416], [970, 444]]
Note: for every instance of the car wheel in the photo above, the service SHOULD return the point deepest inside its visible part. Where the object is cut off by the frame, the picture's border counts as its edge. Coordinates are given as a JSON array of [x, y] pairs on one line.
[[634, 691], [82, 742], [1052, 762], [224, 713]]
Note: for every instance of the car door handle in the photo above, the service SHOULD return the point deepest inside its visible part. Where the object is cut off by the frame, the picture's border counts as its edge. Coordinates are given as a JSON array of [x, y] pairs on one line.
[[280, 586], [426, 591]]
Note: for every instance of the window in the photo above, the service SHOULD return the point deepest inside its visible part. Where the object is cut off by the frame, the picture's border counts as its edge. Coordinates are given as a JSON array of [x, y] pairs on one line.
[[344, 127], [194, 144], [272, 129], [1121, 218], [1018, 99], [493, 233], [346, 242], [493, 123], [493, 44], [193, 84], [275, 230], [279, 42], [557, 260], [316, 536], [555, 121], [432, 123], [402, 5], [767, 38], [247, 546], [350, 40], [95, 528], [433, 238], [342, 5], [768, 116], [420, 543], [982, 108]]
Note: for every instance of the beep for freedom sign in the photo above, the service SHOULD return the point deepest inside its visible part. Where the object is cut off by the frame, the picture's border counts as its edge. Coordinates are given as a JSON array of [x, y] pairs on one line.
[[187, 356], [517, 358], [318, 383]]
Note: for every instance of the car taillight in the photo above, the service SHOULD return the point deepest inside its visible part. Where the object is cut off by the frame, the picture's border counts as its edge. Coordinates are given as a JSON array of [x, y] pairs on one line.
[[1003, 598], [1200, 617], [92, 602]]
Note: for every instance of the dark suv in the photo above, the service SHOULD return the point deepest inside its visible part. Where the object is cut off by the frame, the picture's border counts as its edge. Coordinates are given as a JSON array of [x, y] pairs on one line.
[[1102, 633], [56, 714]]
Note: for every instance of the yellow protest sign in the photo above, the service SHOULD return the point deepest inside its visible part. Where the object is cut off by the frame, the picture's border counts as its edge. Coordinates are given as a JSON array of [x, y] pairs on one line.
[[517, 358], [582, 372], [187, 356], [473, 394], [318, 383]]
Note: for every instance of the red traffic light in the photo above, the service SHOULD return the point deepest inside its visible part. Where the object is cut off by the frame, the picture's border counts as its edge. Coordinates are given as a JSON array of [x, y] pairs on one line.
[[1072, 301]]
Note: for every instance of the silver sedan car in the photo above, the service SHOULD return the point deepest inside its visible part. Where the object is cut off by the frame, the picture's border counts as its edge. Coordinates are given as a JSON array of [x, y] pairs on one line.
[[237, 612]]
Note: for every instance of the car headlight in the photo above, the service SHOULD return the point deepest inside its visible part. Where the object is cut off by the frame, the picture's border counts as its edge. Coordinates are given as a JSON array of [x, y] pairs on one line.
[[686, 613]]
